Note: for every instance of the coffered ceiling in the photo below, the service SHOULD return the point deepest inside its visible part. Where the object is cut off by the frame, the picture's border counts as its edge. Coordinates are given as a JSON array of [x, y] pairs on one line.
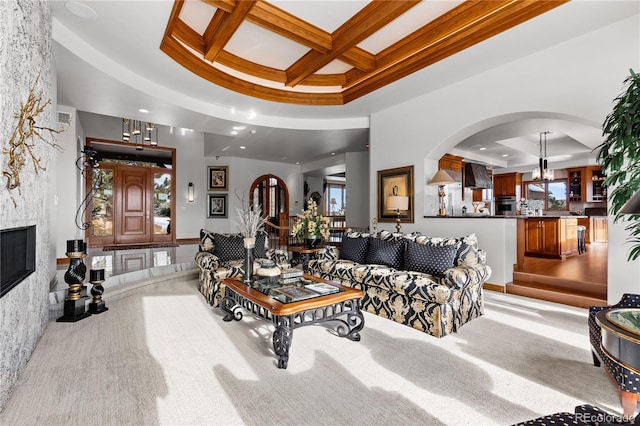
[[272, 53], [301, 78]]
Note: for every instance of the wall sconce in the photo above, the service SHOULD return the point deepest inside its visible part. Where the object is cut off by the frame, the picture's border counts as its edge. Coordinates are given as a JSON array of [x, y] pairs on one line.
[[190, 192]]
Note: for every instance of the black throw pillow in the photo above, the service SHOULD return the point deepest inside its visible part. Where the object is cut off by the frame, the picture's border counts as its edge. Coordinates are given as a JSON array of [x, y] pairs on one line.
[[354, 249], [383, 252], [229, 247], [428, 258], [260, 251]]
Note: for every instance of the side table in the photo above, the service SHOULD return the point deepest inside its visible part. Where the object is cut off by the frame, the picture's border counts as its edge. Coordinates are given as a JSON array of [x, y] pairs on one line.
[[302, 255], [620, 342]]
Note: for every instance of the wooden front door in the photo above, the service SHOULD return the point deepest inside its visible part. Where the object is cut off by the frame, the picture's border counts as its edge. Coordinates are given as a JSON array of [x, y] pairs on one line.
[[133, 213]]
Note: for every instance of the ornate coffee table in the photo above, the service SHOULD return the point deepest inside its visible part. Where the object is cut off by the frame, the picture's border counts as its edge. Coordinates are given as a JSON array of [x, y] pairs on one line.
[[342, 307]]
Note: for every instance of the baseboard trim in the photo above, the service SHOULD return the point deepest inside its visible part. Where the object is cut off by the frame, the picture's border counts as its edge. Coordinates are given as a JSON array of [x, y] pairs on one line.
[[494, 287], [188, 240]]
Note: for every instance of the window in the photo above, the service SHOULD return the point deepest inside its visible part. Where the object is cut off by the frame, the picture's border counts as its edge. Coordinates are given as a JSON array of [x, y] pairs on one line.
[[550, 195], [336, 201]]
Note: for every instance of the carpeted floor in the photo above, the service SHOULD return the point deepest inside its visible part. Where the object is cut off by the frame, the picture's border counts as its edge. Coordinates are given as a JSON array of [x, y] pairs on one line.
[[161, 355]]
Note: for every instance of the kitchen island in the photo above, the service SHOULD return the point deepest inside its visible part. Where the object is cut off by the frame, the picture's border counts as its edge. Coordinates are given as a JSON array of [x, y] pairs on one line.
[[554, 237]]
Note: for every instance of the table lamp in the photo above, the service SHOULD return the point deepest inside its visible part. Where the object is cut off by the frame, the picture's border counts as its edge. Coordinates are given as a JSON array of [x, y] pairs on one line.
[[397, 203], [441, 178]]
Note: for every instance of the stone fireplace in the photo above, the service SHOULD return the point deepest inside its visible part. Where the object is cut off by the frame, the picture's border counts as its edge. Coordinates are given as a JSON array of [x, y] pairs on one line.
[[17, 256]]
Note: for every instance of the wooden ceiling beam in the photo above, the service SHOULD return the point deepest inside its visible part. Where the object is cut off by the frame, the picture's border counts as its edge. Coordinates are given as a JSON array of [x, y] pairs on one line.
[[222, 27], [514, 14], [366, 22]]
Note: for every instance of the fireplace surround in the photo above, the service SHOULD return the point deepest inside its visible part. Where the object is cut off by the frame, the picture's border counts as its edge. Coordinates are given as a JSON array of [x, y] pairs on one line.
[[17, 256]]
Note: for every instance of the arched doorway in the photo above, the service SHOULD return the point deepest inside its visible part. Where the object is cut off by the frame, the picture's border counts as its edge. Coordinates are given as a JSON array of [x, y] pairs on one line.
[[273, 195]]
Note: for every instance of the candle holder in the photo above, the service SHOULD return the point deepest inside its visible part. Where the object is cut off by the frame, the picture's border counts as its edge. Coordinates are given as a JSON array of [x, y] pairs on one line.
[[96, 277], [74, 306]]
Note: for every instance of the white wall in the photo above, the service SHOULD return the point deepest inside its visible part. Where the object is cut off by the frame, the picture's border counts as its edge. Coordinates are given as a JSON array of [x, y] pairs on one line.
[[579, 78], [357, 174], [242, 173]]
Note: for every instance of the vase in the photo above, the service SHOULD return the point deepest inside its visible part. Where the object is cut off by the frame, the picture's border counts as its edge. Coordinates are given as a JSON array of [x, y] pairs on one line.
[[312, 242], [249, 244]]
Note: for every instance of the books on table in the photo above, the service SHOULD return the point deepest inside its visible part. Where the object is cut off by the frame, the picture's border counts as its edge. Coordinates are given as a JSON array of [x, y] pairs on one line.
[[322, 288]]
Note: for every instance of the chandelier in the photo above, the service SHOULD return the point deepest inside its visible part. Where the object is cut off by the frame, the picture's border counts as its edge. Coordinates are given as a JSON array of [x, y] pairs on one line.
[[140, 132], [542, 172]]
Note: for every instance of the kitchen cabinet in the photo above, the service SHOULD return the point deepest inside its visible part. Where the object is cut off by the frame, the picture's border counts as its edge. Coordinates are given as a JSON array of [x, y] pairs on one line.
[[507, 184], [595, 191], [451, 162], [551, 237], [599, 229], [577, 184]]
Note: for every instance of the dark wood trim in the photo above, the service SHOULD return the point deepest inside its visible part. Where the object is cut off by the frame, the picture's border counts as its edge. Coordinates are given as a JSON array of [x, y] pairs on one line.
[[494, 287], [188, 241]]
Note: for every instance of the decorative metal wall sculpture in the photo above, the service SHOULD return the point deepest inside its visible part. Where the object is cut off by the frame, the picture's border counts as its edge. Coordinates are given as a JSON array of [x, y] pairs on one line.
[[23, 139]]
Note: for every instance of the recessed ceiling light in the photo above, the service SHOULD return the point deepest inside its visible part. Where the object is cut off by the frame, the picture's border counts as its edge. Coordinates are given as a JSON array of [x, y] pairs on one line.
[[243, 147], [81, 10], [297, 162], [234, 132], [239, 127], [144, 111], [483, 149], [333, 153], [505, 155], [253, 131]]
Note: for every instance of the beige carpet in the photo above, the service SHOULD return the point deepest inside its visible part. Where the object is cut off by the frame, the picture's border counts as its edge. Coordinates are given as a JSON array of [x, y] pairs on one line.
[[161, 355]]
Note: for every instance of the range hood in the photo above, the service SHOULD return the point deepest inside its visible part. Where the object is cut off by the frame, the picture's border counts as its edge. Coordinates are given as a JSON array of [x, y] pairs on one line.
[[476, 176]]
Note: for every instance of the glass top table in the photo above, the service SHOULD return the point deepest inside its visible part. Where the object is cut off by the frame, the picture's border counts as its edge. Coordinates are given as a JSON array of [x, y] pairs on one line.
[[628, 319]]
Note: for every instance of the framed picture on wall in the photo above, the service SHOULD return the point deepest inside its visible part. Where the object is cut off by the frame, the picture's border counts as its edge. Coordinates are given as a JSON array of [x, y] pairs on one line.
[[217, 206], [218, 178], [395, 182]]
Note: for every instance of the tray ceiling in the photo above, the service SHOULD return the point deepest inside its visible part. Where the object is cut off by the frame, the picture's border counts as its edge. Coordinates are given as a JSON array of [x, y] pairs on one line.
[[286, 52]]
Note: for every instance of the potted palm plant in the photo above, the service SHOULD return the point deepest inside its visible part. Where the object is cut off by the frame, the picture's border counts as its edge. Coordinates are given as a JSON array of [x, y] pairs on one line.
[[619, 156]]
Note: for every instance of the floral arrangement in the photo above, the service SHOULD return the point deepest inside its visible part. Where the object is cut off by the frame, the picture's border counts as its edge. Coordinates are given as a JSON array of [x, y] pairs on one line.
[[310, 224]]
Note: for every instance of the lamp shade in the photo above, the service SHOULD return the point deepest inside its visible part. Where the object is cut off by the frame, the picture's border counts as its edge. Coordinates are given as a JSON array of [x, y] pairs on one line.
[[398, 202], [441, 178], [632, 206]]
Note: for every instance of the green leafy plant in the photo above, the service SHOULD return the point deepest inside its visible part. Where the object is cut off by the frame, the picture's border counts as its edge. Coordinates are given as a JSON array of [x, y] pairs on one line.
[[619, 156]]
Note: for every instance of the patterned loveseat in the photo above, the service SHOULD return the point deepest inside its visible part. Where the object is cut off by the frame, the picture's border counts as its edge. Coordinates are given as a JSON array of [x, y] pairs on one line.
[[431, 284], [221, 256]]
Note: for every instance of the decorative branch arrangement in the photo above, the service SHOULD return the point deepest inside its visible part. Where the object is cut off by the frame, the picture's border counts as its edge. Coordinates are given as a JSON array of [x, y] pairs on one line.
[[23, 139]]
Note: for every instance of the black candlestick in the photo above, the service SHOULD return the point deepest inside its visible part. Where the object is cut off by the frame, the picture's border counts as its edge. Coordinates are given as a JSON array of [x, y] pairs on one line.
[[74, 305], [96, 277]]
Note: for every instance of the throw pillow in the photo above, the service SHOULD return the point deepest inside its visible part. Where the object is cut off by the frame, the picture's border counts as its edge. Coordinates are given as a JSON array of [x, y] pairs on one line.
[[207, 242], [229, 247], [383, 252], [429, 258], [354, 249], [260, 250]]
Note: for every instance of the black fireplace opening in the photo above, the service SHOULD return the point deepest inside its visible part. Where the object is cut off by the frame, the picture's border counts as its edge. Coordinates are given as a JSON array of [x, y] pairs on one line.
[[17, 256]]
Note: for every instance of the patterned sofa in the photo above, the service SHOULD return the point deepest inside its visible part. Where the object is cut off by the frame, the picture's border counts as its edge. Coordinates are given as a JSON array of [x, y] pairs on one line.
[[221, 256], [431, 284]]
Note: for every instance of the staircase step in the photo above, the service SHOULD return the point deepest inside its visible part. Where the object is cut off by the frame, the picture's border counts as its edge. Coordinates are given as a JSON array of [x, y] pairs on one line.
[[584, 288], [555, 294]]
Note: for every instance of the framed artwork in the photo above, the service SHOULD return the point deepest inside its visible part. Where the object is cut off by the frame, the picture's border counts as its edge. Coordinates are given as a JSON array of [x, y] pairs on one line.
[[218, 178], [398, 181], [217, 206]]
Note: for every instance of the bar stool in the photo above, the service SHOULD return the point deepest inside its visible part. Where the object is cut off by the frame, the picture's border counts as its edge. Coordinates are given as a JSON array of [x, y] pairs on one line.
[[582, 231]]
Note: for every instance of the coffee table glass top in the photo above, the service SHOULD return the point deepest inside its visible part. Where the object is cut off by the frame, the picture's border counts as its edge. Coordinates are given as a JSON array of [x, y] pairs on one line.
[[295, 292], [627, 319]]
